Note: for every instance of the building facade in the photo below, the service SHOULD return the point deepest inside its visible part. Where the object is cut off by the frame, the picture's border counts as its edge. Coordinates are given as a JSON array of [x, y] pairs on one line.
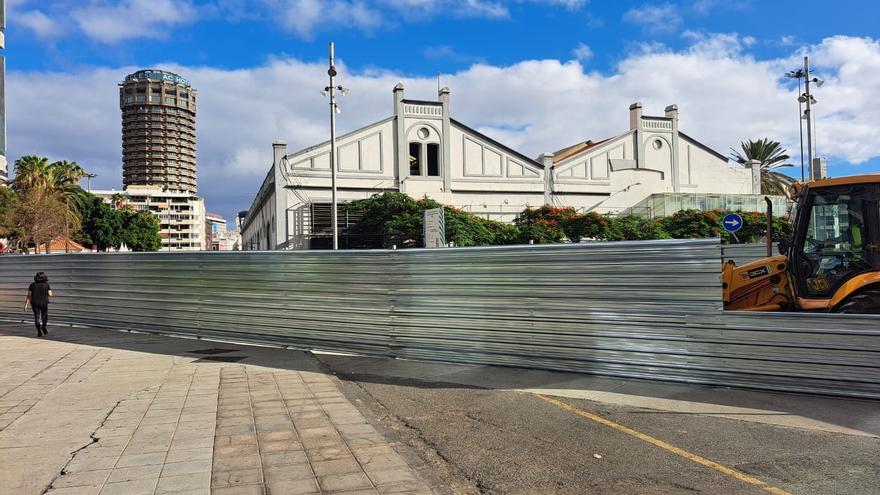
[[158, 131], [422, 151], [220, 238], [181, 214], [4, 167], [159, 156]]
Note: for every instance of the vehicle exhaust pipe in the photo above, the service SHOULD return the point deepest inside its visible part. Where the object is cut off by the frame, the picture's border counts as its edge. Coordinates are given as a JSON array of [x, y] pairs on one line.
[[769, 226]]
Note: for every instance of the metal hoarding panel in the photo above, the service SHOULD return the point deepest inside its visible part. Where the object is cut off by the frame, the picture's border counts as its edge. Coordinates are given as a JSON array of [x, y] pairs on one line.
[[648, 309]]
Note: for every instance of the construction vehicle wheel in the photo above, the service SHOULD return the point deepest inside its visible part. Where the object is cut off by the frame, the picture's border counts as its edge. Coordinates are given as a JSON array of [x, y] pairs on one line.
[[866, 302]]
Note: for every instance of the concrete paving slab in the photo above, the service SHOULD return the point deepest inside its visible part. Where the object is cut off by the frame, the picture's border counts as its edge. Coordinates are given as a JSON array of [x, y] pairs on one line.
[[89, 411]]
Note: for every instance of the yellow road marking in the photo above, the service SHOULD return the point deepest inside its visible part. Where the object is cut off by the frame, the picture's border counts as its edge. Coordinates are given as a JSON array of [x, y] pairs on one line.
[[663, 445]]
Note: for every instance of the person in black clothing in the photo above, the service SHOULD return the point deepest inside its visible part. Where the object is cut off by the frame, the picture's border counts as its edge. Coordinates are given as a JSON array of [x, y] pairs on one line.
[[38, 294]]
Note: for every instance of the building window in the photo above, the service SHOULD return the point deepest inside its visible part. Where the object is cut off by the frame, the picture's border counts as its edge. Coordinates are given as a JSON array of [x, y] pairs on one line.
[[657, 144], [433, 159], [415, 159]]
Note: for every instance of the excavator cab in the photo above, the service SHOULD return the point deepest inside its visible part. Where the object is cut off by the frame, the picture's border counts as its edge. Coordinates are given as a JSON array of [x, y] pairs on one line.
[[834, 249], [831, 263]]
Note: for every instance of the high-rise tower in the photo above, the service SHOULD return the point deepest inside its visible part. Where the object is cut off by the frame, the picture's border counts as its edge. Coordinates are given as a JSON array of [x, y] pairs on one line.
[[158, 131]]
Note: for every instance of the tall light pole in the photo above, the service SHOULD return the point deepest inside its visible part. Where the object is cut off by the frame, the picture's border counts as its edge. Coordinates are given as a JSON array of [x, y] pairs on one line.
[[334, 109], [799, 74], [807, 97], [808, 115]]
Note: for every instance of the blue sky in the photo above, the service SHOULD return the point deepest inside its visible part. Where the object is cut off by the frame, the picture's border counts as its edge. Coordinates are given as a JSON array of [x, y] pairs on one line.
[[535, 74]]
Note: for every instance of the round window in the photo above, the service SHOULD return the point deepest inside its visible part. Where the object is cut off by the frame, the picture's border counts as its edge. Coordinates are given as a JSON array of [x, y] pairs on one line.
[[424, 133], [658, 144]]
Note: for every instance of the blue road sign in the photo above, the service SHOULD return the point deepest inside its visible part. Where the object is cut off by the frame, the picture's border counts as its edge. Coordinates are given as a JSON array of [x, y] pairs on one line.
[[732, 222]]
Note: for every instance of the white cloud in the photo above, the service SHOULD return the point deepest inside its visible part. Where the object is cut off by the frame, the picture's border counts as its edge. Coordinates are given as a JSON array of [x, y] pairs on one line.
[[110, 23], [787, 40], [663, 18], [43, 26], [707, 7], [582, 52], [306, 18], [724, 93]]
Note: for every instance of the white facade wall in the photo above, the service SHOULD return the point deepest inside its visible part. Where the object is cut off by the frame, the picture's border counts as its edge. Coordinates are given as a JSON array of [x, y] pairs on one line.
[[477, 174], [260, 229], [181, 214]]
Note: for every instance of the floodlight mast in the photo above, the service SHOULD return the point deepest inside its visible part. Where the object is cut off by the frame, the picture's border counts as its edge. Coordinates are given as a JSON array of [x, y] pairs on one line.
[[809, 100], [331, 89]]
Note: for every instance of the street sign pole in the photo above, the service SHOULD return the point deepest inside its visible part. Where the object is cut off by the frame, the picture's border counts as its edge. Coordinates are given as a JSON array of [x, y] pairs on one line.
[[434, 228], [732, 223]]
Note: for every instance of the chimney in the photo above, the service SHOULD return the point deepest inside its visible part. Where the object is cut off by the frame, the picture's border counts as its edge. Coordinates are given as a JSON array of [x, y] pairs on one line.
[[672, 112], [279, 151], [398, 98], [443, 94], [755, 165], [546, 160], [635, 115]]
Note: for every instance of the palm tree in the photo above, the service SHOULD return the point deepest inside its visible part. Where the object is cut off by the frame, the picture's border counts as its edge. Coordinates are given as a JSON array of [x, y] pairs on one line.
[[771, 156], [66, 177], [54, 189], [119, 201]]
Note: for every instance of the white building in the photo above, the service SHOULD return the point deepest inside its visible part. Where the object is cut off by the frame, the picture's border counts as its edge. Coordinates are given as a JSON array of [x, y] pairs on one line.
[[420, 150], [181, 214], [220, 238]]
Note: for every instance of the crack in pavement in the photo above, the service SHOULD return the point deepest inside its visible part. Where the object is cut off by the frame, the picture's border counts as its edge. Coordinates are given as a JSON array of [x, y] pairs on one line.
[[73, 454], [429, 449]]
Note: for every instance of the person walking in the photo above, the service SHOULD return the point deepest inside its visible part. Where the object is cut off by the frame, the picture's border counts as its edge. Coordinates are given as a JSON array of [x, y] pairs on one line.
[[38, 294]]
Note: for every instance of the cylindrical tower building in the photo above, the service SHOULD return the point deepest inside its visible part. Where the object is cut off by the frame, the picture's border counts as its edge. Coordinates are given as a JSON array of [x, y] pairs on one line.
[[158, 131]]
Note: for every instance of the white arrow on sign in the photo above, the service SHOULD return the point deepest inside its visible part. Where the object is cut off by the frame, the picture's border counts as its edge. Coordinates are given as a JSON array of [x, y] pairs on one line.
[[732, 222]]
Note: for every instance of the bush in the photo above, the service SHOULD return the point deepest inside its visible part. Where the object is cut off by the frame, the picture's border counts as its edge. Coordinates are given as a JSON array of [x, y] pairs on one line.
[[393, 218], [549, 224], [634, 228], [397, 219], [693, 224], [590, 225], [540, 225]]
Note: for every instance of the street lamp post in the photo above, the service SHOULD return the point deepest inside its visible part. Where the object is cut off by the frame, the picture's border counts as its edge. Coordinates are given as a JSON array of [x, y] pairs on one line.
[[799, 74], [332, 90], [807, 99], [334, 109]]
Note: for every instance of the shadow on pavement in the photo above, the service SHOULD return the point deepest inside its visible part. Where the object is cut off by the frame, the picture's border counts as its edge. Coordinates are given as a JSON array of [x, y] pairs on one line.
[[859, 416]]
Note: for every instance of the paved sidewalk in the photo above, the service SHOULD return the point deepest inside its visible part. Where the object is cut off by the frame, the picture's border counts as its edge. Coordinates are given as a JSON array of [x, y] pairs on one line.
[[89, 412]]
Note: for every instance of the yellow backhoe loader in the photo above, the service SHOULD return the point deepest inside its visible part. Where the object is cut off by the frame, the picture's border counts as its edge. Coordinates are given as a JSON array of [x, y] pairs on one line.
[[832, 261]]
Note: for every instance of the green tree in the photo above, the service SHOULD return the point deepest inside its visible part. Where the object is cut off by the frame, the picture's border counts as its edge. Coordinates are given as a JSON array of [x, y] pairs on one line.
[[7, 204], [140, 230], [102, 226], [772, 156], [9, 227]]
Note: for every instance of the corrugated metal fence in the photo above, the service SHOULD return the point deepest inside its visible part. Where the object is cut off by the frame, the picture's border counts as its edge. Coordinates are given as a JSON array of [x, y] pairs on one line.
[[745, 253], [634, 309]]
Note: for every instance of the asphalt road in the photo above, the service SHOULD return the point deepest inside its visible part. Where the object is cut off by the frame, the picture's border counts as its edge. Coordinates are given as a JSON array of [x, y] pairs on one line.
[[506, 442]]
